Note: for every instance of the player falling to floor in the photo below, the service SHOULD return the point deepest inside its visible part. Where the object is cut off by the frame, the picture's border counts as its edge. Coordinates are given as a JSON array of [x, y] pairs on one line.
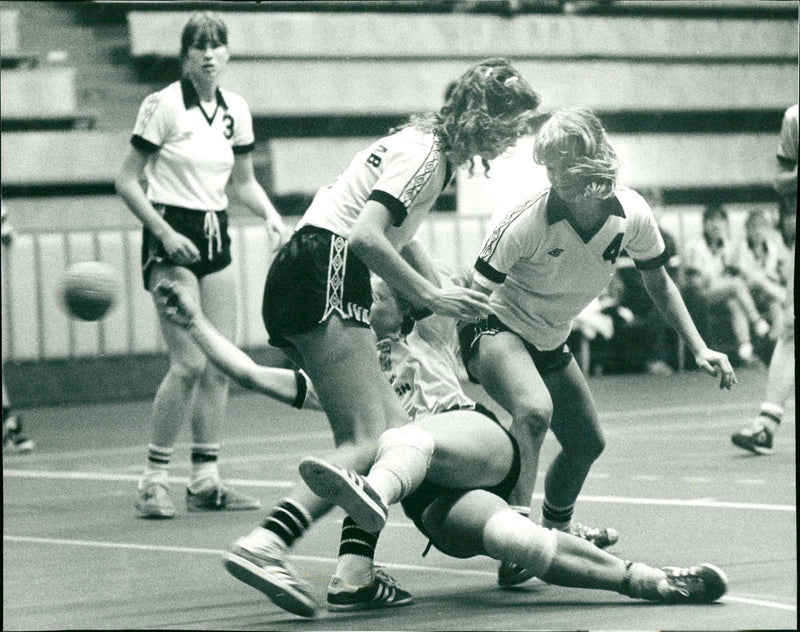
[[317, 299], [757, 437], [192, 140], [541, 264], [468, 461]]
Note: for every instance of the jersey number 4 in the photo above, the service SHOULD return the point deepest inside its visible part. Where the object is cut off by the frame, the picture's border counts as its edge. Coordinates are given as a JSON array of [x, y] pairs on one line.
[[612, 251]]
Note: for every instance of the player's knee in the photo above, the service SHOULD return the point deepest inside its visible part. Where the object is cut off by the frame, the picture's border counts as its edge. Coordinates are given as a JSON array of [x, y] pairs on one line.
[[410, 436], [535, 416]]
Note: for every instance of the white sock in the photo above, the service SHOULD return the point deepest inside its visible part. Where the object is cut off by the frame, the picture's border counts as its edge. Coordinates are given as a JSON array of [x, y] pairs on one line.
[[770, 416], [509, 537]]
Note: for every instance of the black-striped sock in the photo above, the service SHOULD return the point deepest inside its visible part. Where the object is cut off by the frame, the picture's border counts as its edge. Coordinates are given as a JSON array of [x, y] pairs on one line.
[[289, 521], [157, 462], [204, 461], [770, 416], [356, 554], [556, 517]]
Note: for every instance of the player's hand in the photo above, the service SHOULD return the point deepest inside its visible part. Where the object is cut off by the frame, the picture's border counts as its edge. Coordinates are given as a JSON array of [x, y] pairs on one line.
[[460, 303], [180, 248], [717, 364], [176, 303], [278, 233]]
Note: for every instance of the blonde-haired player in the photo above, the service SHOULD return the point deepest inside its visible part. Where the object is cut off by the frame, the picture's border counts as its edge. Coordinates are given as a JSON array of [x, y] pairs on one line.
[[541, 264]]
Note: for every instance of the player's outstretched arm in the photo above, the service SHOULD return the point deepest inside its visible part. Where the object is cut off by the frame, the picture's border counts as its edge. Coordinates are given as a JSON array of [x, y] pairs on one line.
[[668, 300], [277, 383]]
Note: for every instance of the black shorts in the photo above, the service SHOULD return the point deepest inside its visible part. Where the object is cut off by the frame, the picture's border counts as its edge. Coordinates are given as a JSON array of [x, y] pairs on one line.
[[418, 501], [545, 361], [313, 276], [214, 245]]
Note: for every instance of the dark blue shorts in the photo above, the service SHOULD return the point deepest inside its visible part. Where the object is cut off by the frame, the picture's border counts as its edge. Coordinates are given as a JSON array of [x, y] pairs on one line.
[[418, 501], [214, 246], [313, 276], [545, 361]]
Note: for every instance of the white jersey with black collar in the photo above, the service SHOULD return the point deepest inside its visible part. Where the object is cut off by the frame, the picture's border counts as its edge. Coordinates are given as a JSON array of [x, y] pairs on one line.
[[422, 367], [405, 171], [544, 269], [191, 150]]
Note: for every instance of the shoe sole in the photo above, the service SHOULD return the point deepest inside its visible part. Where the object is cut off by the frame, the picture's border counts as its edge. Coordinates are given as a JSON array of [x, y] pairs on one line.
[[252, 575], [328, 483], [369, 605], [223, 508], [719, 583], [150, 514], [742, 443]]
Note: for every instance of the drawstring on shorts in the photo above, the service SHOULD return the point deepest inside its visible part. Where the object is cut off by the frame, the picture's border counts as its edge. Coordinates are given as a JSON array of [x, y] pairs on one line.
[[212, 231]]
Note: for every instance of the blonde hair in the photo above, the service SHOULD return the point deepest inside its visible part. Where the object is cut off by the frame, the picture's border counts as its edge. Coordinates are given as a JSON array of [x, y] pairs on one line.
[[573, 144], [486, 110]]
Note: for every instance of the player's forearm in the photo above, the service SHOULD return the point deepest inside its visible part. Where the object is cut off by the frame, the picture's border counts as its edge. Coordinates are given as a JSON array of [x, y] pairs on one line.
[[669, 302], [223, 354], [378, 254]]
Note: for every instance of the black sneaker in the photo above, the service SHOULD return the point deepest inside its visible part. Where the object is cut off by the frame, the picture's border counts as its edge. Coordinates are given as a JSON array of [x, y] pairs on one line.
[[383, 592], [757, 439], [14, 441], [696, 584]]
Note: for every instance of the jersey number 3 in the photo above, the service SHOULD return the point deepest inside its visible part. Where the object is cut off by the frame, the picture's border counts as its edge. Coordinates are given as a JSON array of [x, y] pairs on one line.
[[612, 251]]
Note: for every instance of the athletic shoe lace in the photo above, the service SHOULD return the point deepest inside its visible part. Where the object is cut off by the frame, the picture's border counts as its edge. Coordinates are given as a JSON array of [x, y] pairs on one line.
[[384, 577], [684, 582]]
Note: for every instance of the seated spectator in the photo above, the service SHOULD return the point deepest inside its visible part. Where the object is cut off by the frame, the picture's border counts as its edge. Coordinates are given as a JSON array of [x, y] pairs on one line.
[[715, 292], [762, 262]]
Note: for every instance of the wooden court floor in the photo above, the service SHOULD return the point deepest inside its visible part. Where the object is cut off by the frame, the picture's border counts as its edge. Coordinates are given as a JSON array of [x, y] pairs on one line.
[[76, 557]]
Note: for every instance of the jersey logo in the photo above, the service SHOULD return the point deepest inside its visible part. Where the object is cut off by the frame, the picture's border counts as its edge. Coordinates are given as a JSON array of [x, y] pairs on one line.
[[555, 252]]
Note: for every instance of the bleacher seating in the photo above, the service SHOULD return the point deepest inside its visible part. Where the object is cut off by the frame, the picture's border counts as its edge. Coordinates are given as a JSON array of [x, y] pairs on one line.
[[694, 105]]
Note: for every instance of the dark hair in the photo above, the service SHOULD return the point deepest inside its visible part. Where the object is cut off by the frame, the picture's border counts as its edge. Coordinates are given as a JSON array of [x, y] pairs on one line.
[[202, 28], [486, 110], [714, 211]]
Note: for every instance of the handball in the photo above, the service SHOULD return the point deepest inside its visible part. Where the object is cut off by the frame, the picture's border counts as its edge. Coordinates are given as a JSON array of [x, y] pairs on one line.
[[90, 289]]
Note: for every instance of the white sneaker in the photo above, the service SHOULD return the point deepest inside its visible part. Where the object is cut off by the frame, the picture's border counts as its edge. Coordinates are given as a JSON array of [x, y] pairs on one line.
[[264, 567]]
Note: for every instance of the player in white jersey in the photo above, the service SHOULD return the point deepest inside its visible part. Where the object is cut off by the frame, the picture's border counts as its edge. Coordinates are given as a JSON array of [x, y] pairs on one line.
[[190, 141], [317, 299], [541, 265], [452, 468], [758, 435]]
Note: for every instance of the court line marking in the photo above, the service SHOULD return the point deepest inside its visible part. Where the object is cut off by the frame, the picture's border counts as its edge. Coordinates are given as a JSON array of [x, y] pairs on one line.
[[634, 413], [674, 502], [324, 560]]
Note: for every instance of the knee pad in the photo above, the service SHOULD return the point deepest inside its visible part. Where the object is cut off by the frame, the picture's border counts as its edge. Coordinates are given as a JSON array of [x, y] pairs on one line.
[[408, 436], [507, 536], [406, 452]]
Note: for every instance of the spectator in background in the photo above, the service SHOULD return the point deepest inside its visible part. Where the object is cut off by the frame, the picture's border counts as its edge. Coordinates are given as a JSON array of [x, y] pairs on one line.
[[14, 440], [715, 291], [190, 141], [762, 262], [758, 436]]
